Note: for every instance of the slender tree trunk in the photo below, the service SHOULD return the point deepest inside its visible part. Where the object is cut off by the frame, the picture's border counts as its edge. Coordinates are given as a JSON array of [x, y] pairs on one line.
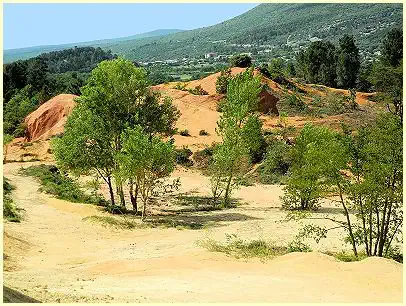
[[110, 190], [364, 225], [144, 209], [120, 193], [378, 232], [382, 231], [347, 215], [391, 238], [132, 197], [227, 194], [370, 232]]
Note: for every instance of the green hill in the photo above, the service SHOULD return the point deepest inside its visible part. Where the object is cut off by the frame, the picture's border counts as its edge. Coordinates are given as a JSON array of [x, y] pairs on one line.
[[268, 30], [273, 29], [11, 55]]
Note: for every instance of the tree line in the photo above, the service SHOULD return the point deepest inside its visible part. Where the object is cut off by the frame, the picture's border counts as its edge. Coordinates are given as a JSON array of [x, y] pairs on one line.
[[340, 66], [28, 83]]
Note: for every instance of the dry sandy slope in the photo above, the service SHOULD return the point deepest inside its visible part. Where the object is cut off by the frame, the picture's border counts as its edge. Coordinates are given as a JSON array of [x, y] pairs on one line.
[[63, 258]]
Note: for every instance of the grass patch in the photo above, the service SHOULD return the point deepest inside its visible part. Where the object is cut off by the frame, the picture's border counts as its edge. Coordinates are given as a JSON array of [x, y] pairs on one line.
[[10, 211], [240, 248], [60, 185], [178, 224], [346, 256], [130, 223], [106, 221], [394, 254]]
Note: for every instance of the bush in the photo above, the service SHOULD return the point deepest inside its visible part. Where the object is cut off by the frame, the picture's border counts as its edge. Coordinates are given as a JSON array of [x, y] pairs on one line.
[[276, 164], [182, 156], [55, 183], [292, 104], [203, 133], [184, 132], [198, 90], [241, 60], [204, 157], [222, 81], [238, 248], [180, 86], [10, 210]]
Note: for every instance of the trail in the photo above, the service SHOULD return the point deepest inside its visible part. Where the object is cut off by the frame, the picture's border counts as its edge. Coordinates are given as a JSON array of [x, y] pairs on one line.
[[55, 256]]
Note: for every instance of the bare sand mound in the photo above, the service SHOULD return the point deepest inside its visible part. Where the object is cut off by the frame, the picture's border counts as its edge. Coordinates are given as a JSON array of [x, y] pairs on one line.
[[197, 113], [48, 120], [92, 263]]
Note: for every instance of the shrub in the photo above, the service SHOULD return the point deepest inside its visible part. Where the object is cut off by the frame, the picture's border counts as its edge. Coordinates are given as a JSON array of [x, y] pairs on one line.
[[204, 157], [238, 247], [222, 81], [203, 133], [276, 164], [198, 90], [241, 60], [55, 183], [296, 102], [182, 156], [184, 132], [180, 86], [292, 104], [10, 210]]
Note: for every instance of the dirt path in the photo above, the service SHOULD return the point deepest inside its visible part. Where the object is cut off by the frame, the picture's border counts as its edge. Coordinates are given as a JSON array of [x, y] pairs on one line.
[[53, 255]]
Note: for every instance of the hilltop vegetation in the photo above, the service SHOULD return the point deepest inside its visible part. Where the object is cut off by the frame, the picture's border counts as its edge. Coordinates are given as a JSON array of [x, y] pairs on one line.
[[28, 83], [268, 30], [272, 30], [11, 55]]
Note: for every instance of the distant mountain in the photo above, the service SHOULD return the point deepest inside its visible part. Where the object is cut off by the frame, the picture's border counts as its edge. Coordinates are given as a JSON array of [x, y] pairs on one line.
[[11, 55], [273, 28], [267, 30]]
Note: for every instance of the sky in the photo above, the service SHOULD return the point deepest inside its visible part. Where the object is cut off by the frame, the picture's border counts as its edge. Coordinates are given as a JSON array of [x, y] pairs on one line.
[[26, 25]]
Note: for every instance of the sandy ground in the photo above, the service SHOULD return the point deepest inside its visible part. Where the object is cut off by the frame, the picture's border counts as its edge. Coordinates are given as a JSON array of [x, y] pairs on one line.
[[55, 256]]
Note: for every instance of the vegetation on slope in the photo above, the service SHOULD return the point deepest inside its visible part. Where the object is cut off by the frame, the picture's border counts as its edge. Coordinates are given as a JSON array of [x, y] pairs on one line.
[[10, 210]]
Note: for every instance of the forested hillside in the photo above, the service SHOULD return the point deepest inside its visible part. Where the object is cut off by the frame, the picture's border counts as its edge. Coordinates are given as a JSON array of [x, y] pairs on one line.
[[268, 30], [25, 53], [28, 83], [274, 29]]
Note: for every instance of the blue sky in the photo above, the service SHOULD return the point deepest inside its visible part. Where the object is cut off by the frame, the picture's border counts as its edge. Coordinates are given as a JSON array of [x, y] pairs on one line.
[[26, 25]]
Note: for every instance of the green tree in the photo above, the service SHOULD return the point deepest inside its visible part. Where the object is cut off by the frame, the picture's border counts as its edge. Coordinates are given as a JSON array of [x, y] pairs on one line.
[[318, 63], [241, 60], [364, 170], [392, 48], [291, 70], [115, 98], [37, 73], [85, 147], [20, 105], [389, 81], [348, 62], [304, 189], [145, 160], [235, 124]]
